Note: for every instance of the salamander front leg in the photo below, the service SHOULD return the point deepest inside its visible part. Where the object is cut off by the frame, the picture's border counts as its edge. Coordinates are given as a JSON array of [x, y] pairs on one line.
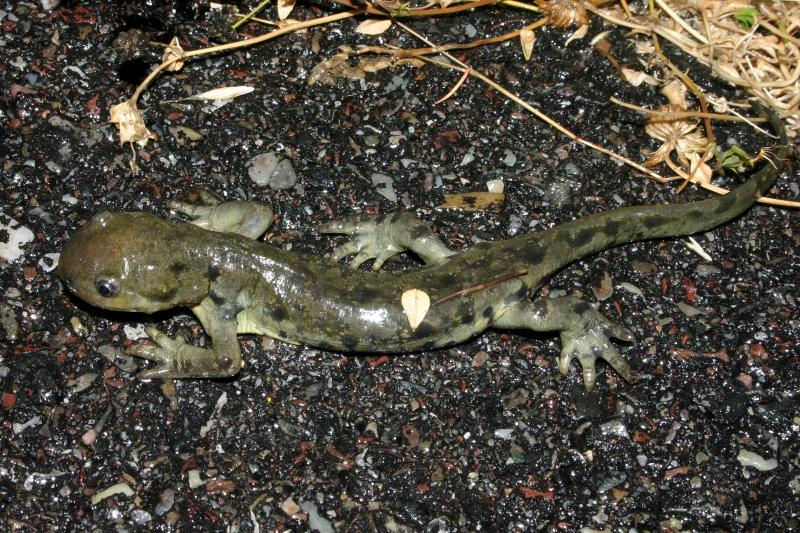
[[585, 333], [250, 219], [178, 359], [381, 237]]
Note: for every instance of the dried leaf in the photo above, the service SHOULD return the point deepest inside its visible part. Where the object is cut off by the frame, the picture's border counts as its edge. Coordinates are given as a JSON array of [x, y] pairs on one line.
[[580, 33], [637, 77], [526, 40], [699, 171], [130, 123], [373, 26], [374, 63], [174, 51], [415, 304], [337, 66], [604, 287], [675, 91], [288, 22], [284, 8], [474, 201], [678, 135], [179, 132], [413, 61], [389, 5], [223, 93]]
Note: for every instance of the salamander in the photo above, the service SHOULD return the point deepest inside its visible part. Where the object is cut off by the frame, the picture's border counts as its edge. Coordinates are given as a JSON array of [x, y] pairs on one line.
[[235, 284]]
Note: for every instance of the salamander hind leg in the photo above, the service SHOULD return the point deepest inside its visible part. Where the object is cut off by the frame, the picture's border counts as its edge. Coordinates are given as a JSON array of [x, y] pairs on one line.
[[381, 237], [250, 219], [585, 333]]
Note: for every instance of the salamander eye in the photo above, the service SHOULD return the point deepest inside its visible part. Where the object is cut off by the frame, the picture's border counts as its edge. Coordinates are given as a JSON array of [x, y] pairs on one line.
[[106, 288]]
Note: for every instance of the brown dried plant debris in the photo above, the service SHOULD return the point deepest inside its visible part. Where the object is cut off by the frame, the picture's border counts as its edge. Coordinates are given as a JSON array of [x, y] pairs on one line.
[[753, 45], [130, 123], [677, 135], [174, 52]]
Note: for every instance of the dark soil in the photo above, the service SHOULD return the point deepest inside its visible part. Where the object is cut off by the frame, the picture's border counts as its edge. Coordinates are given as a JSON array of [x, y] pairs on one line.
[[483, 436]]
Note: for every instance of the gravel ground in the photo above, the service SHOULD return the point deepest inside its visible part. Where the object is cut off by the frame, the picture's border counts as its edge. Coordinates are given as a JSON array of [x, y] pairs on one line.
[[484, 436]]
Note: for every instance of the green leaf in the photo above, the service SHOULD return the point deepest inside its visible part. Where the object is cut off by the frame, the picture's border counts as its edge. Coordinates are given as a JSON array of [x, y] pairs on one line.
[[746, 17], [732, 158]]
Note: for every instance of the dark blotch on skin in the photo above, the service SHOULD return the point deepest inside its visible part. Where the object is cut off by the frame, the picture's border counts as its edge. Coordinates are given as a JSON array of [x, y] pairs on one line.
[[419, 231], [213, 272], [488, 312], [654, 221], [430, 345], [216, 298], [725, 203], [533, 255], [516, 296], [231, 312], [423, 330], [282, 334], [278, 314], [611, 228], [325, 345], [349, 342], [178, 267], [584, 237], [581, 307]]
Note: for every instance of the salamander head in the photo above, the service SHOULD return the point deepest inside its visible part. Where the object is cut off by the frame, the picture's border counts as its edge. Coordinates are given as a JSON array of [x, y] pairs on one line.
[[132, 262]]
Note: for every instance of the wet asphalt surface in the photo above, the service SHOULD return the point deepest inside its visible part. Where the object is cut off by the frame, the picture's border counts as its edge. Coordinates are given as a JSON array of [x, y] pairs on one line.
[[484, 436]]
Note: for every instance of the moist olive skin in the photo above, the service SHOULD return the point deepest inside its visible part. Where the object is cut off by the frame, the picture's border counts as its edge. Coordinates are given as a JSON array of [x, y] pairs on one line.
[[235, 284]]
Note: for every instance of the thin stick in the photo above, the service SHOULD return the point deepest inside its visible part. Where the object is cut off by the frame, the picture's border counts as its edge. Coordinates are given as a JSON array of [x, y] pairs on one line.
[[241, 44], [539, 114], [674, 115], [259, 7], [416, 52], [483, 285]]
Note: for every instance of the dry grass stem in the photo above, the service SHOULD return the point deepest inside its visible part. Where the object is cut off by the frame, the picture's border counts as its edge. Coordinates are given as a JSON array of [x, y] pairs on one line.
[[753, 45]]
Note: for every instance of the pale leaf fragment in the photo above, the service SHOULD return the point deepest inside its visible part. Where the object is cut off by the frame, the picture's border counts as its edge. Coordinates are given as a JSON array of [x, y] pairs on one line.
[[580, 33], [284, 8], [699, 170], [130, 123], [119, 488], [336, 66], [375, 63], [694, 246], [526, 40], [637, 77], [415, 304], [174, 51], [223, 93], [373, 26]]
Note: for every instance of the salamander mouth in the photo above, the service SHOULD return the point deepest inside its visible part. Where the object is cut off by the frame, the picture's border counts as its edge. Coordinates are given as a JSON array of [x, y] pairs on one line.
[[68, 281]]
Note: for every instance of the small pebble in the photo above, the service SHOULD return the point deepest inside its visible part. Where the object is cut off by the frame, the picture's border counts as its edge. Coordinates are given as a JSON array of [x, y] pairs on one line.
[[272, 170]]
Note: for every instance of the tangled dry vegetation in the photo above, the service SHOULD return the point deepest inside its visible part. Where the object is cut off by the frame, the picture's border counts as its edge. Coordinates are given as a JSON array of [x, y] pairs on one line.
[[750, 44]]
